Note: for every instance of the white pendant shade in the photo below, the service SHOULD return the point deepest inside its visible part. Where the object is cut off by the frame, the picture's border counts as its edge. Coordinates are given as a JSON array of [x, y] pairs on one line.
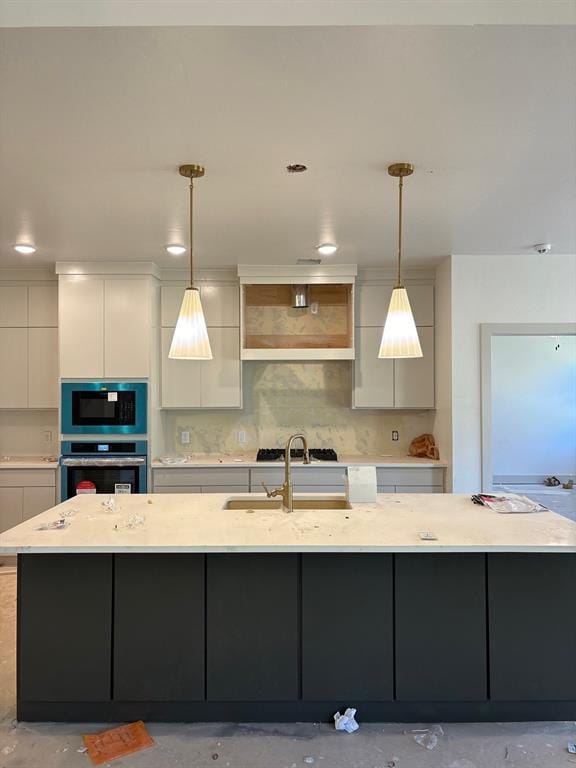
[[190, 340], [400, 337]]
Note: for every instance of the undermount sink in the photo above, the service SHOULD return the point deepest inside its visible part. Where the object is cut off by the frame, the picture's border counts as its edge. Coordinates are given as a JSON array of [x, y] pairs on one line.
[[320, 502]]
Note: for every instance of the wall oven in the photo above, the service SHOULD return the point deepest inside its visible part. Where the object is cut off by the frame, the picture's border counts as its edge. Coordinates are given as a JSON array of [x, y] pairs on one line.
[[99, 467], [104, 407]]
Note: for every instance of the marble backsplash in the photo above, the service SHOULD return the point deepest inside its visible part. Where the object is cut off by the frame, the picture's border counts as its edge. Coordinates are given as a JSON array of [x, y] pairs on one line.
[[283, 398]]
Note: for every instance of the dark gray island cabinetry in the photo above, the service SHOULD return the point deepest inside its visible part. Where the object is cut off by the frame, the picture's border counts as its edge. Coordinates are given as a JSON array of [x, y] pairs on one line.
[[295, 635]]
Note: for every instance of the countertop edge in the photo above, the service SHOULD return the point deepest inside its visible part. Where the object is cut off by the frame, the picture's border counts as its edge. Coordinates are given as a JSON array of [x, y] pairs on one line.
[[207, 550]]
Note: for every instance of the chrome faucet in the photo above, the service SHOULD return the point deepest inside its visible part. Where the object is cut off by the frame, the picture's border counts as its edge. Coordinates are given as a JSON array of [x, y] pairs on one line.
[[287, 490]]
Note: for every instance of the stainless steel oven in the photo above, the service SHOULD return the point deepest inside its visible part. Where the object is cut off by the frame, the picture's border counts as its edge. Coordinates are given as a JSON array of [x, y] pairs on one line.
[[103, 467]]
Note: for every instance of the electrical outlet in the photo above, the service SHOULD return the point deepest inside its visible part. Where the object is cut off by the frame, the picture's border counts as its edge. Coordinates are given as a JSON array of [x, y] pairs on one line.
[[185, 437], [47, 436], [314, 308], [395, 435], [242, 437]]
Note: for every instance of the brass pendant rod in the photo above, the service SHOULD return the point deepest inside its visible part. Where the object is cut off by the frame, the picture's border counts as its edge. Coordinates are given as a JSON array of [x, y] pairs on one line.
[[400, 186], [191, 232]]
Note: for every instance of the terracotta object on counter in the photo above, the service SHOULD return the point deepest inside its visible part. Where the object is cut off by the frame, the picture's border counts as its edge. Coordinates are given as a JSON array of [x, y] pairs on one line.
[[424, 447]]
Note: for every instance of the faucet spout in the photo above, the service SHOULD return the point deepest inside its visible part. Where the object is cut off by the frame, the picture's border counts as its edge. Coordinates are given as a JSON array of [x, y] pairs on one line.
[[287, 490]]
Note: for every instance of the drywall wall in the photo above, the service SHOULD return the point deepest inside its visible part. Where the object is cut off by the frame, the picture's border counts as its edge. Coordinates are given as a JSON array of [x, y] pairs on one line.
[[526, 288], [443, 344], [533, 405]]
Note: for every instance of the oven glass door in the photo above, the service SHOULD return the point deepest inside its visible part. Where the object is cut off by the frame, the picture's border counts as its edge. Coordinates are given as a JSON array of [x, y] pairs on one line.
[[101, 479], [103, 409]]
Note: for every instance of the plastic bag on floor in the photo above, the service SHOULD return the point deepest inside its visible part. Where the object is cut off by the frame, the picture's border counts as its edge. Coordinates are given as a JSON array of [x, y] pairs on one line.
[[346, 722]]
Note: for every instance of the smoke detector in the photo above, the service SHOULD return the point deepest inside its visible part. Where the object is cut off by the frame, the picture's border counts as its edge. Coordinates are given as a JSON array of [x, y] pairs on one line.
[[542, 247]]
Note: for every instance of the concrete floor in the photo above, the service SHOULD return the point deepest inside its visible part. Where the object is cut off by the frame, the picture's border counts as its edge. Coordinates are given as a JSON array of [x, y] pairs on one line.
[[491, 745]]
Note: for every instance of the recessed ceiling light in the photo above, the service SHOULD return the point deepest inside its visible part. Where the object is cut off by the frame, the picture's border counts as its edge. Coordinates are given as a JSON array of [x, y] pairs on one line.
[[175, 249], [25, 248], [327, 249]]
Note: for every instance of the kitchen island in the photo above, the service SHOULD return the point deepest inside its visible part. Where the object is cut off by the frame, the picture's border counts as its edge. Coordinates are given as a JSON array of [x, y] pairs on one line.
[[172, 607]]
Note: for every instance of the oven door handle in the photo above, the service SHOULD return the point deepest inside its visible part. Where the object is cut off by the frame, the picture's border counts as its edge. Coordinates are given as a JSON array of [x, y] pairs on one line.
[[133, 461]]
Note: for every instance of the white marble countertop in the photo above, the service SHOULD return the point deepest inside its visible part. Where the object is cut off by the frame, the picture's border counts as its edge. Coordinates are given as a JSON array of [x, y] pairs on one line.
[[198, 523], [249, 460], [28, 462]]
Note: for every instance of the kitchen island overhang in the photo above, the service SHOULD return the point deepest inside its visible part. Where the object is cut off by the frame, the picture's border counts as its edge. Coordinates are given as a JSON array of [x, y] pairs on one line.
[[202, 613]]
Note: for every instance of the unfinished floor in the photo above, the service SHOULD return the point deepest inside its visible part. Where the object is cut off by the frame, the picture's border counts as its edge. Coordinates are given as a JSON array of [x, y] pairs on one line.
[[491, 745]]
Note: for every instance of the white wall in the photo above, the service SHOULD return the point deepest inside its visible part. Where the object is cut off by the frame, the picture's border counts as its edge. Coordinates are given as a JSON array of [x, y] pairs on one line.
[[496, 289], [533, 405], [443, 343]]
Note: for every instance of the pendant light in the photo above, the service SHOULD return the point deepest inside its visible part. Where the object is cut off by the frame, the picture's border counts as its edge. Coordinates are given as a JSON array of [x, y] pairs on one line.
[[190, 340], [400, 337]]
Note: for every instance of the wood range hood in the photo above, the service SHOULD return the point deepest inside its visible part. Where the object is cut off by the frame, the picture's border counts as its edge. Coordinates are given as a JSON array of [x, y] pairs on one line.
[[274, 327]]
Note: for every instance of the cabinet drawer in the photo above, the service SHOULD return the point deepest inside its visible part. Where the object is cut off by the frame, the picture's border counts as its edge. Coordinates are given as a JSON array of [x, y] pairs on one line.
[[177, 488], [301, 476], [419, 489], [410, 476], [11, 478], [205, 476], [226, 488]]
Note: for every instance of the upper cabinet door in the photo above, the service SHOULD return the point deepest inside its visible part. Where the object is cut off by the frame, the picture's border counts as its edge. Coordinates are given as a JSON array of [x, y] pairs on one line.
[[180, 378], [373, 377], [43, 368], [221, 305], [81, 326], [221, 376], [14, 357], [414, 377], [13, 307], [42, 306], [127, 321], [373, 300]]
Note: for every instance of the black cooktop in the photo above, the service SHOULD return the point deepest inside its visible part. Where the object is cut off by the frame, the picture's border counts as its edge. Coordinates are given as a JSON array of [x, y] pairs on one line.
[[277, 454]]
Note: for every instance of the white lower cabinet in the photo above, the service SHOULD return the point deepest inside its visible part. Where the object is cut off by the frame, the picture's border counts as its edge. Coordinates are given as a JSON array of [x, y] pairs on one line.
[[23, 494], [311, 479], [215, 383]]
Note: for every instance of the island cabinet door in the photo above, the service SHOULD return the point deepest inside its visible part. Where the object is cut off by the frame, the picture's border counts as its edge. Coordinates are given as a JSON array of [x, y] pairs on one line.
[[441, 627], [347, 627], [159, 627], [532, 627], [253, 627], [64, 628]]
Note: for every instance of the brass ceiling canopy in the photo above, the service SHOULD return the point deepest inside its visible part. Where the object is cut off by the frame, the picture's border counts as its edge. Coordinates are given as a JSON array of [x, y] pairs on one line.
[[401, 169], [192, 171]]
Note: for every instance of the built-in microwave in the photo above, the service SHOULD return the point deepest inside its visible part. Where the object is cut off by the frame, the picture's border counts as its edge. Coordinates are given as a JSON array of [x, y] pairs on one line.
[[104, 407]]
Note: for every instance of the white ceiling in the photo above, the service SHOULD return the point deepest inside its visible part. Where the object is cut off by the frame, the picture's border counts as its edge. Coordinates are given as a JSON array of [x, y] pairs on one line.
[[95, 122], [274, 13]]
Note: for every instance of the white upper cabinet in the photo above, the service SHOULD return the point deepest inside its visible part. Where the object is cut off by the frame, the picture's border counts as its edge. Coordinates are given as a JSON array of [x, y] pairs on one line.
[[221, 305], [393, 383], [43, 368], [105, 327], [372, 303], [414, 377], [373, 378], [29, 346], [180, 378], [221, 377], [81, 327], [14, 357], [13, 306], [43, 306], [215, 383], [127, 328]]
